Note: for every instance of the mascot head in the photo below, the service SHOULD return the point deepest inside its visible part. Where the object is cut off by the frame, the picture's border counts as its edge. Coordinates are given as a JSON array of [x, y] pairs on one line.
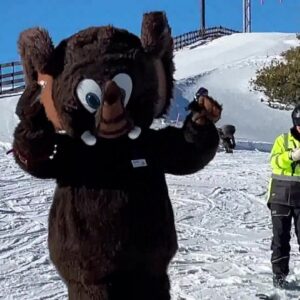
[[102, 82]]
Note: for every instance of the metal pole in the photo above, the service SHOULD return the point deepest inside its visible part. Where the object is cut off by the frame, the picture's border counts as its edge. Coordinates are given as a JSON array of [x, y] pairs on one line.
[[202, 5], [249, 16], [13, 75], [246, 15]]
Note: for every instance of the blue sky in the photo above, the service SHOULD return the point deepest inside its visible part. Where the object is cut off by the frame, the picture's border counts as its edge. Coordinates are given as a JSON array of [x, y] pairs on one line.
[[65, 17]]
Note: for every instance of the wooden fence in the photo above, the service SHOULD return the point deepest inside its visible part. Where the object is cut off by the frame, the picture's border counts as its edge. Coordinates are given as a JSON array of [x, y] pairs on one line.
[[12, 77]]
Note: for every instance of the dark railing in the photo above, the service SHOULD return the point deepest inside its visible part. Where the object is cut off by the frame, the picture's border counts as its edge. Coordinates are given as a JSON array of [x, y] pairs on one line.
[[189, 38], [12, 77]]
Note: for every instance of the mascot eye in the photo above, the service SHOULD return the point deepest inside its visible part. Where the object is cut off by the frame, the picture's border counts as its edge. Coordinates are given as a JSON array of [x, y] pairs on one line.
[[125, 83], [92, 100], [89, 94]]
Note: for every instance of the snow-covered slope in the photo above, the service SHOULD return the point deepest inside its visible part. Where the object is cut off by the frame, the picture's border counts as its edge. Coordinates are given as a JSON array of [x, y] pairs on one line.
[[222, 221], [8, 119], [225, 67]]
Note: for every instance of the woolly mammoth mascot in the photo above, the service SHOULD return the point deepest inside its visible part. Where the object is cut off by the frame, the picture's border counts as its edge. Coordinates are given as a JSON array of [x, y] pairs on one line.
[[84, 120]]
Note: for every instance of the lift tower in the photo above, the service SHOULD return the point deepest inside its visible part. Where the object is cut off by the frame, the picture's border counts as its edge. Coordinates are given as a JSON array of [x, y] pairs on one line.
[[202, 13], [247, 16]]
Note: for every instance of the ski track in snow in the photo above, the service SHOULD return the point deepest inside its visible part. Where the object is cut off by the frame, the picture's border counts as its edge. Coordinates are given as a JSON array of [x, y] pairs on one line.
[[223, 226]]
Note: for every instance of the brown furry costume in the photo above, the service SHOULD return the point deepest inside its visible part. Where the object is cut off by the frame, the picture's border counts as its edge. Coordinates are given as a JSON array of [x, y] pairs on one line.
[[111, 225]]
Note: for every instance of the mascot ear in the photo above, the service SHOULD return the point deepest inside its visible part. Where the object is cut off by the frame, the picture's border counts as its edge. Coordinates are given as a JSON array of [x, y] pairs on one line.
[[157, 40], [35, 48]]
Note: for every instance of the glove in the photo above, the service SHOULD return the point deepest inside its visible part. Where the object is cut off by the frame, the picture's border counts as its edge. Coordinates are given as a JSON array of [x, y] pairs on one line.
[[295, 154]]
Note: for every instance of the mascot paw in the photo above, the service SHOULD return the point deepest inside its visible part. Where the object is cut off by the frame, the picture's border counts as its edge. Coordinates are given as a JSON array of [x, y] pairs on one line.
[[206, 109]]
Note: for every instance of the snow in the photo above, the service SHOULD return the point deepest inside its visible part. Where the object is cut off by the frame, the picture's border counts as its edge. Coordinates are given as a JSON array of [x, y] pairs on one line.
[[223, 224], [225, 66], [8, 119]]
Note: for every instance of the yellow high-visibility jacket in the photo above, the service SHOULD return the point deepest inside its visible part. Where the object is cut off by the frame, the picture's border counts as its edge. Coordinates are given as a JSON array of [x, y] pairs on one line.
[[284, 186]]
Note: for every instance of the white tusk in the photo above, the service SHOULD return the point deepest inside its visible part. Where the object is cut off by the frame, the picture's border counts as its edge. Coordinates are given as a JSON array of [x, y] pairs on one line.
[[134, 133], [88, 138]]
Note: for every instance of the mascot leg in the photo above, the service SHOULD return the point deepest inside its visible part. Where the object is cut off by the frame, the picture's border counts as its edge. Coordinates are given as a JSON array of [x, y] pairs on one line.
[[140, 286], [77, 291], [133, 286]]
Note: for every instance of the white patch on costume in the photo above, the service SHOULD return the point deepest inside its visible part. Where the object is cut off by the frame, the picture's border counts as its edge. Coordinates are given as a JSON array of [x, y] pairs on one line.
[[124, 82], [61, 132], [138, 163], [88, 138], [134, 133], [42, 83]]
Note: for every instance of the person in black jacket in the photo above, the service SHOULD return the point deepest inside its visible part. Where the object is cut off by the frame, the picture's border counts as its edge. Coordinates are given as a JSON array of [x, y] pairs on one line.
[[226, 133], [201, 92]]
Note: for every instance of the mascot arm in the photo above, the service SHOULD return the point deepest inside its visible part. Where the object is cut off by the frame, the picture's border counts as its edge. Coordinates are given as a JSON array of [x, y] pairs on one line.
[[34, 137], [191, 148]]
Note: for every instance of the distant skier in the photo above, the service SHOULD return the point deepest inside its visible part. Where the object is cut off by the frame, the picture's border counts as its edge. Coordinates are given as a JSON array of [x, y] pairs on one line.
[[226, 134], [202, 92], [284, 197]]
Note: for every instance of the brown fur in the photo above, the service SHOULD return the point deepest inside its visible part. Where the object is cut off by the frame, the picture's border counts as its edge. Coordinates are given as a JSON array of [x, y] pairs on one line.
[[111, 225], [208, 109], [35, 48], [156, 39]]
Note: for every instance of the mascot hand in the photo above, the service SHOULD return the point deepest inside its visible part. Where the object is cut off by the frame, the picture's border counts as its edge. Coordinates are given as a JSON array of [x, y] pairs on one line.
[[29, 104], [205, 110]]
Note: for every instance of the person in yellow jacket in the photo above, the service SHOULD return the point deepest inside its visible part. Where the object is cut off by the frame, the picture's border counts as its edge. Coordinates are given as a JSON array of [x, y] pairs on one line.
[[284, 198]]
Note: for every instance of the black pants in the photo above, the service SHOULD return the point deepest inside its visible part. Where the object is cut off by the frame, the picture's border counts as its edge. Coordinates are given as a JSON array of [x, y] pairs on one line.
[[282, 222], [227, 144]]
